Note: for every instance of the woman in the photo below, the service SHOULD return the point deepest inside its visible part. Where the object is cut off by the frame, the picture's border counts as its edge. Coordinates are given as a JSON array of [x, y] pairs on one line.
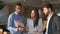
[[34, 23]]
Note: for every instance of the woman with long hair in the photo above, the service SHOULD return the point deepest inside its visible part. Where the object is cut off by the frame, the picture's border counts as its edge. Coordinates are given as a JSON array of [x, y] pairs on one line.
[[33, 22]]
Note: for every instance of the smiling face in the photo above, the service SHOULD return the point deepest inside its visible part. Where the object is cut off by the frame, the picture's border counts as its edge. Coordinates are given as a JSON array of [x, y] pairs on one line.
[[32, 14]]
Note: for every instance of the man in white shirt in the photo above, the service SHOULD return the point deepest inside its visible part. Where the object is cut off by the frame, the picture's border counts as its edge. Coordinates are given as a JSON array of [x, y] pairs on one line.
[[52, 26]]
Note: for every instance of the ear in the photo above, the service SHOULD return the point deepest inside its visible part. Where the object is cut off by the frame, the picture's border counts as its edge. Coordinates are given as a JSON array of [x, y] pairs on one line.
[[49, 9]]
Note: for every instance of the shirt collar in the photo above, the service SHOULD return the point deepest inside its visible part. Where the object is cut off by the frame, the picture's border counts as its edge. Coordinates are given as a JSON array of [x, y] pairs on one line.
[[50, 15], [16, 13]]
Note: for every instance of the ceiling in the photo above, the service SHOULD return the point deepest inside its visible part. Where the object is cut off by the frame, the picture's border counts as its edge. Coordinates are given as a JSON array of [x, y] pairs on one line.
[[33, 2]]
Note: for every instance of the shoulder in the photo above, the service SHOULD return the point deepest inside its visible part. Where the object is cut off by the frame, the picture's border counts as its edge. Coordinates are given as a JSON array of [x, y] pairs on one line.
[[28, 19], [11, 15], [40, 19], [55, 16], [55, 19]]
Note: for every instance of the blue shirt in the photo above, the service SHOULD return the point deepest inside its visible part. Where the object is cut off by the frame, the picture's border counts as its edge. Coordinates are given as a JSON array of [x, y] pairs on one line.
[[11, 26]]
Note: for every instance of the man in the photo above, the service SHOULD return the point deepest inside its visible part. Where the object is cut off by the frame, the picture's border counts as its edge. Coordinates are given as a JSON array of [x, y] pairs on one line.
[[15, 20], [52, 26]]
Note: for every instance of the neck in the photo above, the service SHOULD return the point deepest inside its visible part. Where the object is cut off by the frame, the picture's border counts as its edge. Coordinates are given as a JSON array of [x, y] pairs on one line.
[[33, 19], [17, 13], [50, 14]]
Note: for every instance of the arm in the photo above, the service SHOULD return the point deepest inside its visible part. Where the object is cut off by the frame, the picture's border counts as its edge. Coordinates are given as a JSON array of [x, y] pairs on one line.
[[27, 25], [56, 26], [10, 25], [39, 28], [40, 25]]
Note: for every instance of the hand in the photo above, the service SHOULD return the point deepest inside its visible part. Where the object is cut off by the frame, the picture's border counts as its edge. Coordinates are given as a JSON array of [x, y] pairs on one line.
[[36, 31], [27, 28], [20, 29]]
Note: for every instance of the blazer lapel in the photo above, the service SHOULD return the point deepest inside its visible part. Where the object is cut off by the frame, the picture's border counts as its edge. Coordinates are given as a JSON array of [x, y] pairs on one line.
[[50, 25]]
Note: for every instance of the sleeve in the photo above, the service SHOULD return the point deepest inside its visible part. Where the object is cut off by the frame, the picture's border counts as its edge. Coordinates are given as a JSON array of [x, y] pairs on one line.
[[10, 25], [40, 26], [27, 22], [56, 26]]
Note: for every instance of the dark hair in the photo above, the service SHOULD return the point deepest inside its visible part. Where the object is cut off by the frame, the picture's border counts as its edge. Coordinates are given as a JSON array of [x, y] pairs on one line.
[[48, 5], [18, 4], [36, 16]]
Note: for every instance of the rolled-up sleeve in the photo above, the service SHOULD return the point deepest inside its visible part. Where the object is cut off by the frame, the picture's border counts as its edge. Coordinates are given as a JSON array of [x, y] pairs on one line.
[[10, 25]]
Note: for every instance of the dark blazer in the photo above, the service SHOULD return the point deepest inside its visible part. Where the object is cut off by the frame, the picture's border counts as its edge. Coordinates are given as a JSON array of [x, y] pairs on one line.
[[54, 25]]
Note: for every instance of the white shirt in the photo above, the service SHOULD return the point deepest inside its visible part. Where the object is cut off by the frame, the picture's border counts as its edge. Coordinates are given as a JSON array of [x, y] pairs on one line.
[[48, 19]]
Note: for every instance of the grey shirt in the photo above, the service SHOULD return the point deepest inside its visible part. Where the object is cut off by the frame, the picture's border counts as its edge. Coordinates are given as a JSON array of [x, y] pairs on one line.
[[31, 27]]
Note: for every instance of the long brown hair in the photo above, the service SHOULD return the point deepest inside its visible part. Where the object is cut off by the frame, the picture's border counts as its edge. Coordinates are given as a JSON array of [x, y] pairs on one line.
[[36, 18]]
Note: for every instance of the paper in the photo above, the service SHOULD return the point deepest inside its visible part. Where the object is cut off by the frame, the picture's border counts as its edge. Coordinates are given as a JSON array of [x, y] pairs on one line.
[[18, 23]]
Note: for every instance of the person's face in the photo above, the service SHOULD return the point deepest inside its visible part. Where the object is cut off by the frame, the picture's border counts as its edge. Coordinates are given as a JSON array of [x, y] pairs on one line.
[[32, 14], [18, 9], [46, 11]]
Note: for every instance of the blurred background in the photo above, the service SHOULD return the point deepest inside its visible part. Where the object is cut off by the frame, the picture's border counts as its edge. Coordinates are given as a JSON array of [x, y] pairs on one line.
[[7, 7]]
